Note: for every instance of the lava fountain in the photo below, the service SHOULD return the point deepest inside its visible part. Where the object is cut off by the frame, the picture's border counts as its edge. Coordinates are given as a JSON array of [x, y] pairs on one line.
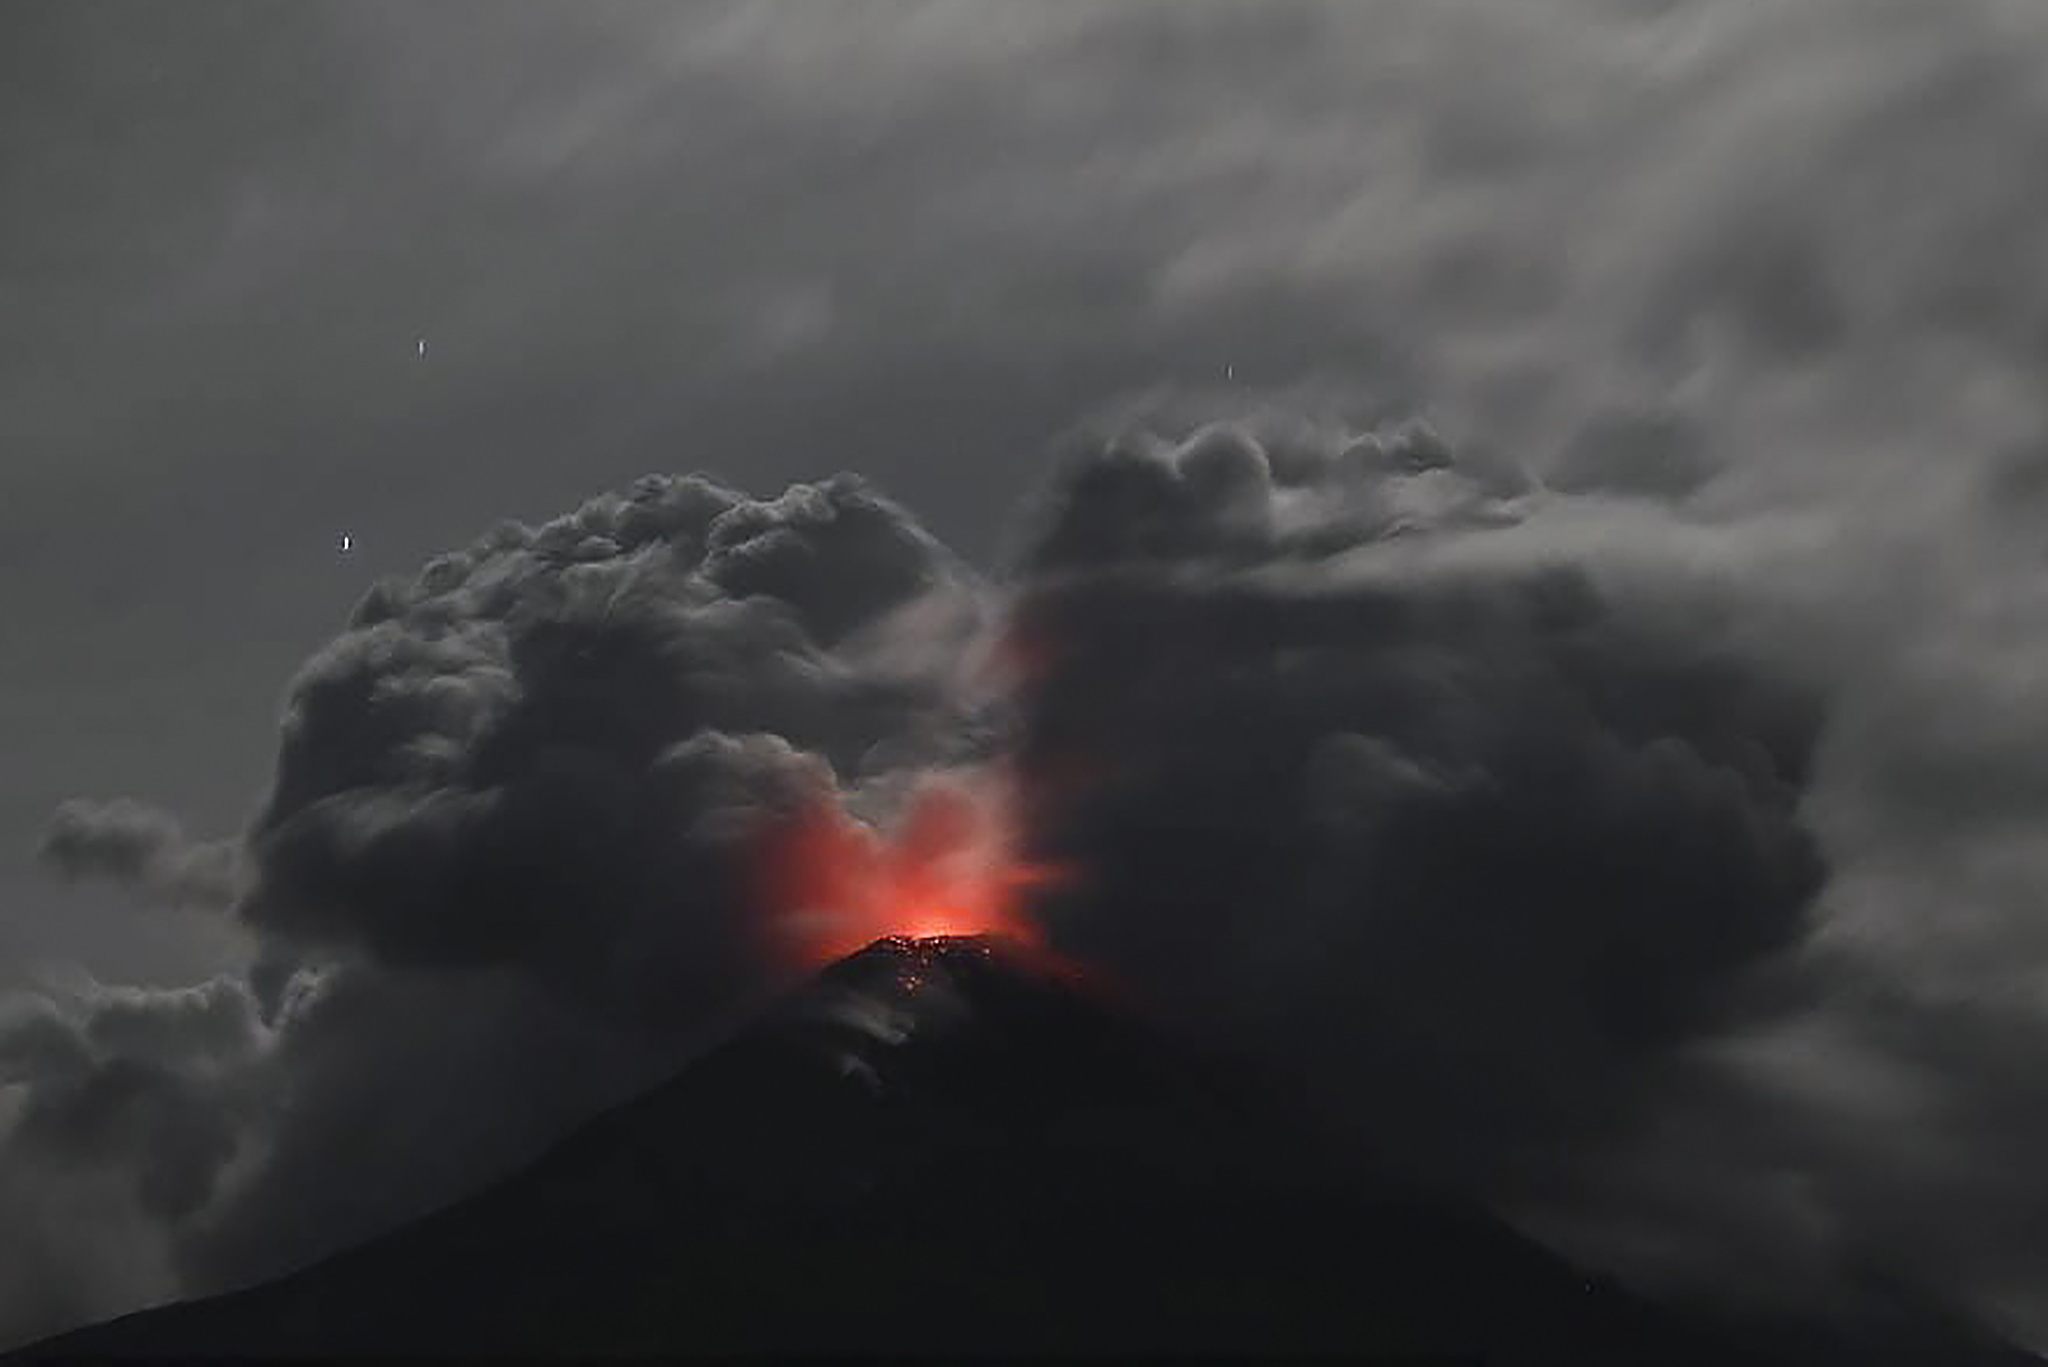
[[831, 883]]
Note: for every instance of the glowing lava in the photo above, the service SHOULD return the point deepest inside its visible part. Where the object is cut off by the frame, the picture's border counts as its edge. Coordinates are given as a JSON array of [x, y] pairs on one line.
[[831, 884]]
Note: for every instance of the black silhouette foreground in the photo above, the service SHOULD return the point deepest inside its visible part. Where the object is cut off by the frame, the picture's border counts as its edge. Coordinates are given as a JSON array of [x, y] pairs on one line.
[[939, 1147]]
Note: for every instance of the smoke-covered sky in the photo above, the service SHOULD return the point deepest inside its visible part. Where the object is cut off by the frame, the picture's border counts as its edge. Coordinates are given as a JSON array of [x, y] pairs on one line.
[[1519, 520]]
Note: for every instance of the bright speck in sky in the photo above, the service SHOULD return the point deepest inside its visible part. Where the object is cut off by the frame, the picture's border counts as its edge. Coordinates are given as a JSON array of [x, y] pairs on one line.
[[346, 544], [421, 346]]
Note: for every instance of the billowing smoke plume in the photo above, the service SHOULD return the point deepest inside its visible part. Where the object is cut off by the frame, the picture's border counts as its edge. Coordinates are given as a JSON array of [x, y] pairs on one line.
[[542, 756], [1372, 763], [505, 873], [1499, 820], [1624, 806], [1588, 844], [141, 847]]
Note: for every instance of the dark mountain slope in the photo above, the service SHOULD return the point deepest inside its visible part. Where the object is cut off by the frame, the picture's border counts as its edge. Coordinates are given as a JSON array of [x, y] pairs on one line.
[[940, 1148]]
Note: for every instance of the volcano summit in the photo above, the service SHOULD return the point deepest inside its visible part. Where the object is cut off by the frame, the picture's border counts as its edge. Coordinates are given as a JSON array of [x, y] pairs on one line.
[[944, 1146]]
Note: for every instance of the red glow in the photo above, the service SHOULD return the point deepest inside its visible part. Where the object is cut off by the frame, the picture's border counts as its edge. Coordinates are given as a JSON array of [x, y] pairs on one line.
[[832, 884]]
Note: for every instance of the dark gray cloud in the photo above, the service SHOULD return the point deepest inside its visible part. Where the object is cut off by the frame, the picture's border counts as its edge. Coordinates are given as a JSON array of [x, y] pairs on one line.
[[1605, 856], [1491, 815], [507, 870], [140, 847], [385, 1093], [539, 753], [1467, 832], [1756, 289], [121, 1111]]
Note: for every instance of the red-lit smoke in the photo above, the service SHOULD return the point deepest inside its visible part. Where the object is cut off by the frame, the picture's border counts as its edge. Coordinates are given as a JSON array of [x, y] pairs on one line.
[[947, 866]]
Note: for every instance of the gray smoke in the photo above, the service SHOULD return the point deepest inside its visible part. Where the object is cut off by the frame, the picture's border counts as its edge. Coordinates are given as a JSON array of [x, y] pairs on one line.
[[502, 877], [1385, 766], [1539, 834], [140, 847], [540, 755], [1545, 837], [1621, 797]]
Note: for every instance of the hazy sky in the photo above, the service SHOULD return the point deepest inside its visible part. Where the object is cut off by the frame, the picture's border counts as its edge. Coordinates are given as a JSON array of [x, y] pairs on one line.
[[1757, 288], [633, 237], [914, 239]]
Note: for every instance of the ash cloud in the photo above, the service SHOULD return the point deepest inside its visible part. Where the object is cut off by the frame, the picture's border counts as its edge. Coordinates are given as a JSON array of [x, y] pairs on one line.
[[503, 877], [140, 847], [1577, 848], [1518, 827], [540, 756], [121, 1111], [1620, 797], [1417, 809]]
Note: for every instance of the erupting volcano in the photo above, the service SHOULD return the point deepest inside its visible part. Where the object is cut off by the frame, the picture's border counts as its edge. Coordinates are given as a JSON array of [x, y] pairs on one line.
[[1020, 1169], [948, 867]]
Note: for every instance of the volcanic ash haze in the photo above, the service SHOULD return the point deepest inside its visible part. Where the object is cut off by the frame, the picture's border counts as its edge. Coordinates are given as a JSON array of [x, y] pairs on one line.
[[1475, 817], [933, 1148], [947, 865], [1617, 799]]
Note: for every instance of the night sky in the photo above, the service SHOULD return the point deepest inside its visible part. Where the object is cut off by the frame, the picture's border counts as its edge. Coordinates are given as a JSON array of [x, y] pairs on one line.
[[1604, 435]]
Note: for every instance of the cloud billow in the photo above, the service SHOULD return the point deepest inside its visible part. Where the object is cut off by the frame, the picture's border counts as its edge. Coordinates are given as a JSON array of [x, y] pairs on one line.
[[140, 847], [1463, 841], [1484, 814], [1621, 797], [504, 875], [526, 757]]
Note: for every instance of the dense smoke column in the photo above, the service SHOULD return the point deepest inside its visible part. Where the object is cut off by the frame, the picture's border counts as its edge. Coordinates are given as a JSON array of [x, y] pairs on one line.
[[1472, 807], [504, 876], [551, 751], [1455, 839]]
